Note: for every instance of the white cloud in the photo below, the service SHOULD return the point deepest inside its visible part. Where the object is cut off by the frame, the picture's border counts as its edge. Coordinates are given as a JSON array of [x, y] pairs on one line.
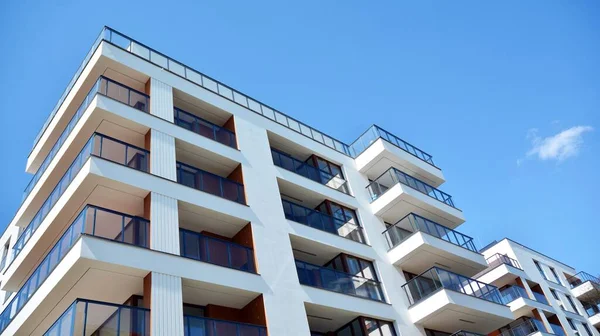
[[557, 147]]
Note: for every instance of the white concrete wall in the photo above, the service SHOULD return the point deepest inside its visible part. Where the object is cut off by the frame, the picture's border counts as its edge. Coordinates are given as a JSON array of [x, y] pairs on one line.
[[161, 99], [162, 155], [166, 305], [164, 223]]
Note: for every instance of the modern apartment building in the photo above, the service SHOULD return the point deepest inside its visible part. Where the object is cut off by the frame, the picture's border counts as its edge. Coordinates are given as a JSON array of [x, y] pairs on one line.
[[545, 295], [164, 202]]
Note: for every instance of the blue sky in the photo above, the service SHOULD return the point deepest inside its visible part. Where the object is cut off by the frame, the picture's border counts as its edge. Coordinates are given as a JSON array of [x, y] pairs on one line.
[[504, 95]]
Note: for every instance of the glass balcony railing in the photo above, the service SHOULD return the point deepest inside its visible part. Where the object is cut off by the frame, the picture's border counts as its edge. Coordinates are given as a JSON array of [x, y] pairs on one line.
[[103, 86], [210, 183], [204, 128], [502, 259], [301, 168], [335, 281], [541, 298], [321, 221], [93, 221], [394, 176], [203, 326], [529, 326], [87, 317], [512, 293], [375, 132], [216, 251], [435, 279], [582, 277], [397, 233], [557, 330], [98, 145], [466, 333]]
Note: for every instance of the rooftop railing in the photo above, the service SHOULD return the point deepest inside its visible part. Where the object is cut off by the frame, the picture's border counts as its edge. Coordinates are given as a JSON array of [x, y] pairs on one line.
[[106, 87], [134, 47], [93, 221], [287, 162], [411, 223], [87, 317], [210, 183], [502, 259], [204, 128], [200, 326], [98, 145], [435, 279], [375, 132], [582, 277], [529, 326], [394, 176], [512, 293], [216, 251], [321, 221], [336, 281]]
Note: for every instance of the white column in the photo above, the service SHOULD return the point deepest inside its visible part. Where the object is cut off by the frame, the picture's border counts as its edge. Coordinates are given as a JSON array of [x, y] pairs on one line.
[[545, 321], [161, 100], [284, 304], [164, 224], [166, 305], [162, 155]]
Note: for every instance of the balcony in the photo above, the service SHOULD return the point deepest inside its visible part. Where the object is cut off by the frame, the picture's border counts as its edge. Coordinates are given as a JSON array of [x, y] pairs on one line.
[[585, 287], [395, 194], [530, 326], [210, 183], [340, 282], [442, 300], [520, 303], [103, 86], [377, 150], [216, 251], [415, 243], [465, 333], [501, 271], [93, 221], [87, 317], [200, 326], [98, 145], [593, 313], [287, 162], [204, 128], [322, 222]]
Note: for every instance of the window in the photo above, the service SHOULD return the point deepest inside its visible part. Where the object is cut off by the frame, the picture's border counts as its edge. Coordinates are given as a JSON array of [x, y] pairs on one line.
[[571, 324], [572, 303], [539, 267], [587, 328], [4, 255], [554, 294], [555, 275]]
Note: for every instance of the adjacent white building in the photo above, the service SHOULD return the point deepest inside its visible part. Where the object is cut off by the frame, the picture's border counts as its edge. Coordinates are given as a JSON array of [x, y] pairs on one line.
[[164, 202]]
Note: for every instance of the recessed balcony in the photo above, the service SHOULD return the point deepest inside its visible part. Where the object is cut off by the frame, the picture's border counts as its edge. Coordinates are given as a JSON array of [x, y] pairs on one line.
[[395, 194], [376, 150], [520, 303], [416, 243], [442, 300], [585, 287], [309, 171], [204, 128], [207, 182], [525, 326], [336, 281], [323, 222], [593, 313]]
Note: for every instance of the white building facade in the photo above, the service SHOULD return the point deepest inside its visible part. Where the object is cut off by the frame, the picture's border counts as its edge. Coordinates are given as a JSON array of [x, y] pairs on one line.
[[164, 202], [545, 295]]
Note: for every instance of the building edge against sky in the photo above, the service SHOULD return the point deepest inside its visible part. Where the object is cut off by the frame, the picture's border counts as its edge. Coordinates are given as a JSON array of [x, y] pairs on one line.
[[164, 202]]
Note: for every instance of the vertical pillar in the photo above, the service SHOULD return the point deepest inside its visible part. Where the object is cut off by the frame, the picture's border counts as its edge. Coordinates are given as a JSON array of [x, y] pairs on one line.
[[164, 224], [523, 283], [163, 295], [162, 155], [161, 99], [284, 303], [542, 317]]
